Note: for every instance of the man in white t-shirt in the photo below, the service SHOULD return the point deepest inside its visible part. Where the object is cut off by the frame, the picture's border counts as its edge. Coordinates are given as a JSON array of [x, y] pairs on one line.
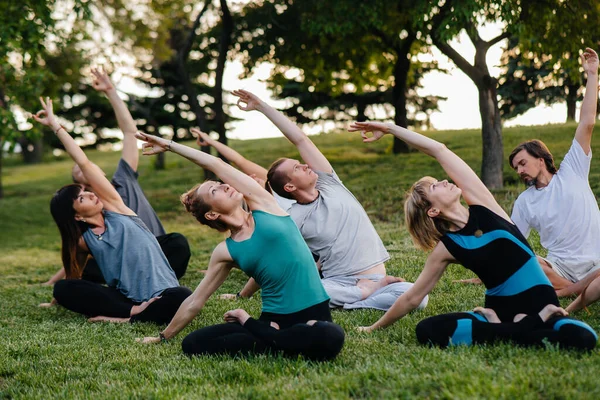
[[560, 204]]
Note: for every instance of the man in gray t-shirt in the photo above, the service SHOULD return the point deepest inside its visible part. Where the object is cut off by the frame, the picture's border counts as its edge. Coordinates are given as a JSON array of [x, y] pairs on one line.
[[331, 220], [174, 245]]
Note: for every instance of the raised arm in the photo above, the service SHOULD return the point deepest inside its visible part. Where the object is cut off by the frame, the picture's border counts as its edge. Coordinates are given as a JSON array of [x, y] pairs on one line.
[[587, 115], [246, 166], [256, 196], [434, 268], [218, 269], [100, 185], [308, 151], [130, 152], [473, 189]]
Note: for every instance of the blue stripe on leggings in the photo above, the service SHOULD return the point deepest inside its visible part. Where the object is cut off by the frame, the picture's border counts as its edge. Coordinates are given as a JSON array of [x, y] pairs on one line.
[[463, 333], [478, 316], [568, 321], [526, 277]]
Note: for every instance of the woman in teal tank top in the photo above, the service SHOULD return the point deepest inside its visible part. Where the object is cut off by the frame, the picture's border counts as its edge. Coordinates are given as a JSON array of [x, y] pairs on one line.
[[264, 243]]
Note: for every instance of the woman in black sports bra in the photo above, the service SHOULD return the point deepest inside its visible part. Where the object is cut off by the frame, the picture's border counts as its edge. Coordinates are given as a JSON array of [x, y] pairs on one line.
[[521, 304]]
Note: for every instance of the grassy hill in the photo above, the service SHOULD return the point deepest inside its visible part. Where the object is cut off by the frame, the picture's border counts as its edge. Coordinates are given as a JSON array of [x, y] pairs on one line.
[[50, 353]]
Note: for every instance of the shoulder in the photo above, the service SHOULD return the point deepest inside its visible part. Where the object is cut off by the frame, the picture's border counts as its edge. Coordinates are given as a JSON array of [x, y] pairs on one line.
[[441, 253], [82, 245], [221, 252], [124, 170]]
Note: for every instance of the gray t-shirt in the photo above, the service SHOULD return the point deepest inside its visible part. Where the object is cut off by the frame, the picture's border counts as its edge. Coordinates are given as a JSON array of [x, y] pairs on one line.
[[125, 182], [130, 257], [338, 230]]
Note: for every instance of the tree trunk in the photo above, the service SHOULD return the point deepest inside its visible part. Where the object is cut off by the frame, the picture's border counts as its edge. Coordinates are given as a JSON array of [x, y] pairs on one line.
[[491, 132], [32, 150], [1, 158], [399, 90], [360, 112], [224, 44], [571, 102]]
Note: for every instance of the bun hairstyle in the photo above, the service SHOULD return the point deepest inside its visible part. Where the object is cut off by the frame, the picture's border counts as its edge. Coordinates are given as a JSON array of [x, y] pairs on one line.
[[424, 230], [195, 205], [277, 179], [61, 208]]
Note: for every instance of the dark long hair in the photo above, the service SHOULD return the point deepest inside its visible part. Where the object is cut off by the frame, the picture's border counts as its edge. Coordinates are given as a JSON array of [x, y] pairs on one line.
[[537, 149], [61, 207]]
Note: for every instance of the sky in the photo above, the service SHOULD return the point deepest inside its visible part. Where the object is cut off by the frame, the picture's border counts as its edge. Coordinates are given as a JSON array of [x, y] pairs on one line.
[[459, 111]]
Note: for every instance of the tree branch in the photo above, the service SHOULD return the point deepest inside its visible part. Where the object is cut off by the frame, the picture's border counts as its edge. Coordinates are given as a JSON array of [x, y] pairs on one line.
[[187, 46], [504, 35]]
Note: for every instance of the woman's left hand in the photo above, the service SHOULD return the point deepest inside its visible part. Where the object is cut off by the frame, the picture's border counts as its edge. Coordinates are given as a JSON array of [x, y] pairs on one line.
[[237, 315], [379, 129], [153, 144]]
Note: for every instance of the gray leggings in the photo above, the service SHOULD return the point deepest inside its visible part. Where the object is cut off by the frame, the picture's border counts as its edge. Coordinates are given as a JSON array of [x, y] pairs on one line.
[[344, 292]]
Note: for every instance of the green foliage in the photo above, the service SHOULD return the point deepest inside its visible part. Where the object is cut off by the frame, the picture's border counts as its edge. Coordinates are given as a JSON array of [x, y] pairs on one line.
[[56, 354]]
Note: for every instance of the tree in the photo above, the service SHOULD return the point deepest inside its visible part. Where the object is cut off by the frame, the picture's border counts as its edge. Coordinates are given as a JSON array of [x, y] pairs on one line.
[[350, 55], [31, 43]]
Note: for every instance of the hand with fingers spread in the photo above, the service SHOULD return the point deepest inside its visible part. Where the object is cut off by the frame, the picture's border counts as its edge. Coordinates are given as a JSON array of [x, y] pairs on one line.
[[202, 138], [589, 61], [238, 315], [379, 129], [46, 116], [251, 101], [102, 82], [153, 144]]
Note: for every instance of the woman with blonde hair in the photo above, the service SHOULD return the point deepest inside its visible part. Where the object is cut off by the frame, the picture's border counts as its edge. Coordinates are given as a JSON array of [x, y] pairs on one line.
[[521, 304], [265, 243]]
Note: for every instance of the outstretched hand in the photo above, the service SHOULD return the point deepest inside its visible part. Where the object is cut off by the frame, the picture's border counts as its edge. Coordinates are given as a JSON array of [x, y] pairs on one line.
[[251, 101], [153, 144], [46, 116], [237, 315], [589, 60], [377, 128], [101, 82], [148, 339], [202, 138]]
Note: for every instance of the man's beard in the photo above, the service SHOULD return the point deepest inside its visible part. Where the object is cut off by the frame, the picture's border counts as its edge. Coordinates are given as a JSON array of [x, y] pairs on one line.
[[530, 182]]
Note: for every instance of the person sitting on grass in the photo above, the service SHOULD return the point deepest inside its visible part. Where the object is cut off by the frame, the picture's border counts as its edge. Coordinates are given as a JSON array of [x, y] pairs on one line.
[[174, 245], [267, 246], [561, 205], [141, 284], [483, 239], [332, 221]]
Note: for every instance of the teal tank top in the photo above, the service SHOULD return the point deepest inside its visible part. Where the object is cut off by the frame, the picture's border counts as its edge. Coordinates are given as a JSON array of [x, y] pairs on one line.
[[277, 257]]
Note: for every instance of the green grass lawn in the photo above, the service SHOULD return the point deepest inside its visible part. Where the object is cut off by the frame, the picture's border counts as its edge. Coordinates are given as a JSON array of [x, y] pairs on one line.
[[54, 353]]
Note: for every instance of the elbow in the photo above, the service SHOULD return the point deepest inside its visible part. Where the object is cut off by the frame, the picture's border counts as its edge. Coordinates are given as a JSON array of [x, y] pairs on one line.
[[439, 149], [417, 302]]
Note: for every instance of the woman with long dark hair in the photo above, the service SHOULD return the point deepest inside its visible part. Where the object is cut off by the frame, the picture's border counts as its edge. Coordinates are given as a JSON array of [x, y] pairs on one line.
[[521, 303], [265, 243], [141, 284]]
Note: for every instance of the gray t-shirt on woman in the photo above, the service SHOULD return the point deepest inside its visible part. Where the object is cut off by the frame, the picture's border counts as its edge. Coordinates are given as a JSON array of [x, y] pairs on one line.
[[336, 228], [125, 182]]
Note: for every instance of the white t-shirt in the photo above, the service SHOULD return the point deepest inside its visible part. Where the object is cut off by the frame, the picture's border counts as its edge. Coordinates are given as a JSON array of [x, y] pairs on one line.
[[284, 203], [566, 215], [336, 227]]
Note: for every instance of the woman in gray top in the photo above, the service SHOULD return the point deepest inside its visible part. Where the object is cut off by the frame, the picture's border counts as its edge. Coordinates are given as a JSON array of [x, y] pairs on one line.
[[141, 284], [333, 223]]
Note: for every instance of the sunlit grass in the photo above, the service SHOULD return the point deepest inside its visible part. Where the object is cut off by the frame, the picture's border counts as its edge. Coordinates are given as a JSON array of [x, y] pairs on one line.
[[57, 354]]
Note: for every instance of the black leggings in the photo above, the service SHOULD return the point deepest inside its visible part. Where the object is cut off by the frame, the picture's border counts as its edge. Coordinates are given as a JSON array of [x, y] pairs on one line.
[[175, 247], [92, 300], [470, 328], [321, 341]]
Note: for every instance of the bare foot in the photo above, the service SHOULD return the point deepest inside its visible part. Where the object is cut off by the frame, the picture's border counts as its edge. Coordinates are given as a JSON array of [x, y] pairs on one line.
[[550, 311], [108, 319], [519, 317], [135, 310], [311, 322], [274, 325], [227, 296], [48, 305], [488, 313], [368, 287], [472, 281]]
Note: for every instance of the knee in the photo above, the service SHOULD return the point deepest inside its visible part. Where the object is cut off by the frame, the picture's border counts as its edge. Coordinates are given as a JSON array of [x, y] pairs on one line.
[[429, 333], [60, 290], [190, 346], [331, 337], [180, 242], [581, 338]]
